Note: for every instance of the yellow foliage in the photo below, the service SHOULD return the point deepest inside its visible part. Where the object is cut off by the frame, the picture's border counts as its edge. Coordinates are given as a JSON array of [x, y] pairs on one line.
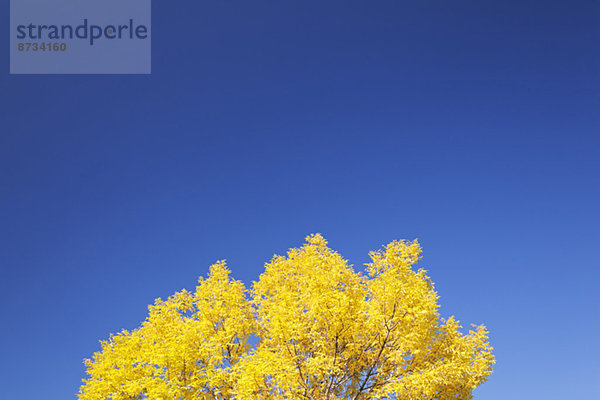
[[310, 328]]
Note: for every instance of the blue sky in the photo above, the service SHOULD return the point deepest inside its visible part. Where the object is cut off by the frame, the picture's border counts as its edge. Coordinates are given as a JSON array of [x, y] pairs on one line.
[[472, 126]]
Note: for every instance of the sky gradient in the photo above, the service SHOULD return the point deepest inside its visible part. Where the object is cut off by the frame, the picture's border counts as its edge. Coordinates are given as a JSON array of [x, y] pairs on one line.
[[472, 126]]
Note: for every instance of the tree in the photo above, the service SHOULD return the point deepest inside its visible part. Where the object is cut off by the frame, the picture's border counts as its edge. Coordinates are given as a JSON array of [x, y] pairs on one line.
[[310, 328]]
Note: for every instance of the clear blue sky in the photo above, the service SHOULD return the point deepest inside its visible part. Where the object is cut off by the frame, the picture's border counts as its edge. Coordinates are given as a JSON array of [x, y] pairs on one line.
[[472, 126]]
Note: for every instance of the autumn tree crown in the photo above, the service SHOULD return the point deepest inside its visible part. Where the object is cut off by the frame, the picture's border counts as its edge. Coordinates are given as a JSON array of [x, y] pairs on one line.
[[311, 327]]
